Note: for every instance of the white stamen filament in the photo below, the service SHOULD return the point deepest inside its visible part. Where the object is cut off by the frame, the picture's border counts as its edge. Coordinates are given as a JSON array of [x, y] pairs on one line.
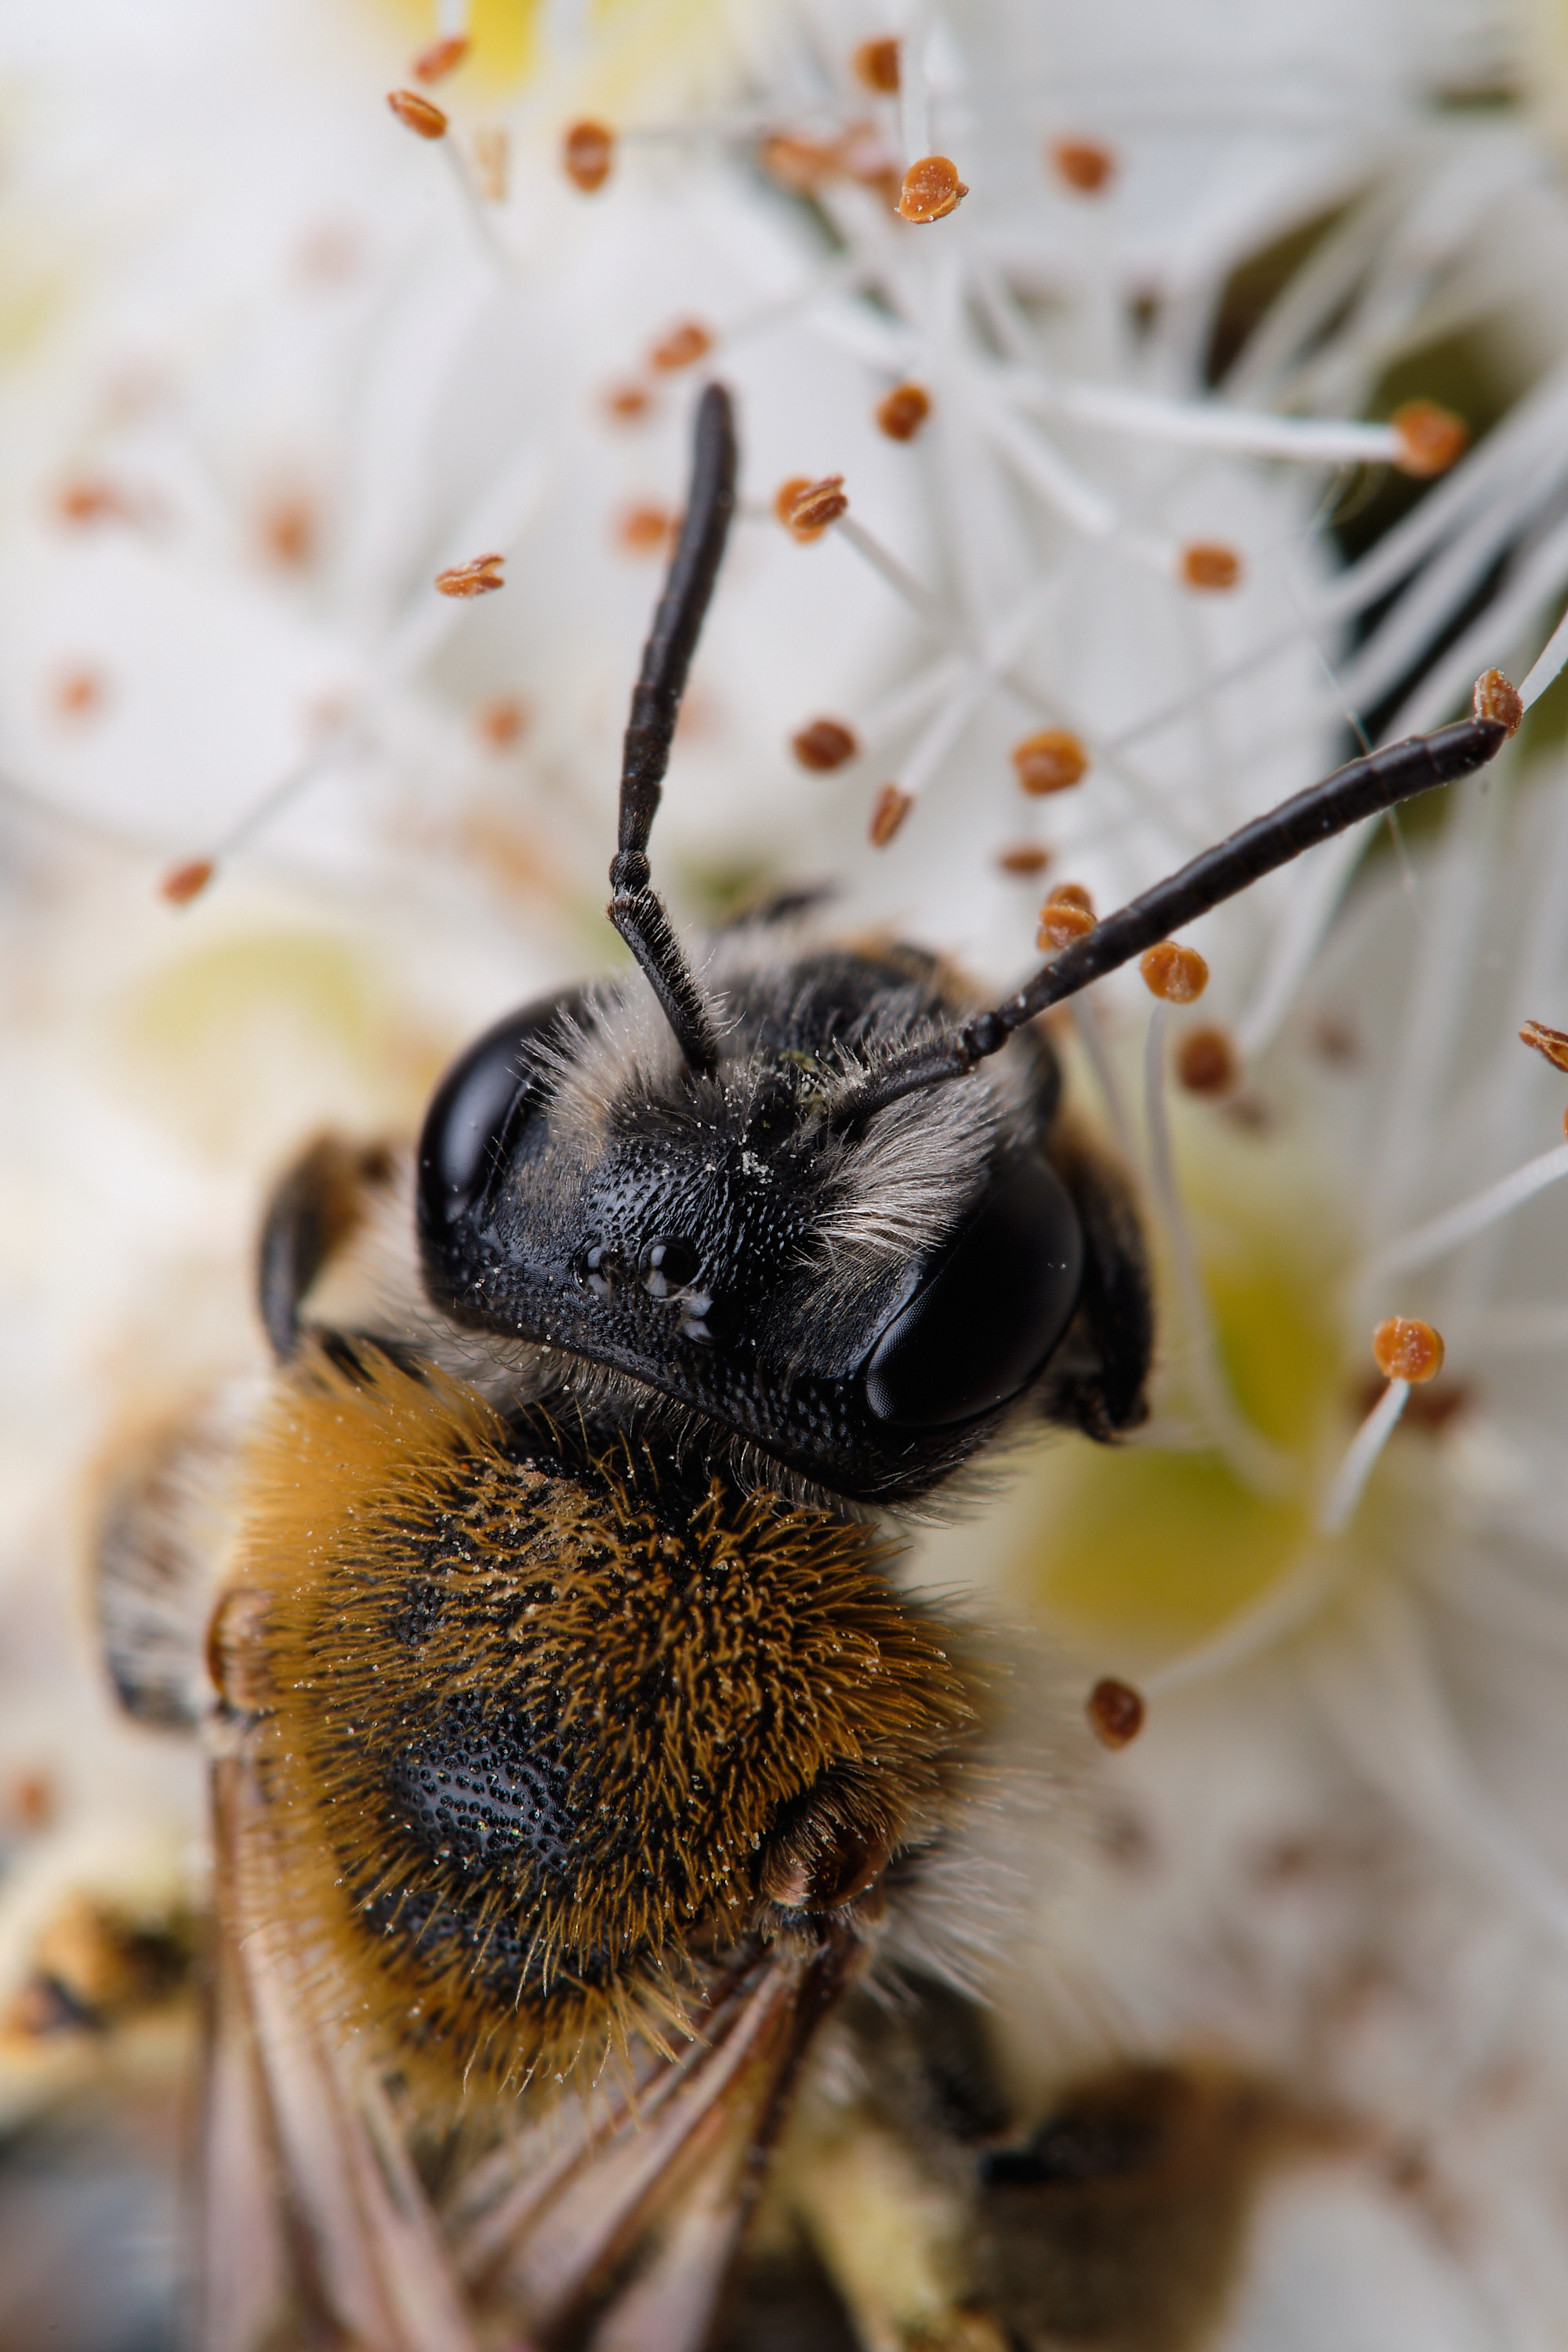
[[1086, 1020], [1211, 424], [847, 275], [1446, 1232], [1283, 1609], [1549, 662], [1041, 466], [1255, 1461], [744, 124], [914, 84], [917, 597], [1350, 1480], [341, 740]]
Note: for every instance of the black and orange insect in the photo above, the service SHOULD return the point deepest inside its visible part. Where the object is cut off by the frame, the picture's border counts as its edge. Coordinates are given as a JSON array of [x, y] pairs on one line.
[[575, 1754]]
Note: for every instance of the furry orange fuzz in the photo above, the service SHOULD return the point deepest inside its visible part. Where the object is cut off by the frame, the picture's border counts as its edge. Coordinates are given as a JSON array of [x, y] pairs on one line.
[[545, 1728]]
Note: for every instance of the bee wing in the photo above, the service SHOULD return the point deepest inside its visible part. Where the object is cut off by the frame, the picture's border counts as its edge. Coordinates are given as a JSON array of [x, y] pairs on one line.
[[615, 2217], [314, 2211], [625, 2221]]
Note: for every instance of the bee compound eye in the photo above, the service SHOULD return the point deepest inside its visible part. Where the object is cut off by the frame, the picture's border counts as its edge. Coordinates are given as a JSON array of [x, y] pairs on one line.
[[990, 1311], [483, 1111]]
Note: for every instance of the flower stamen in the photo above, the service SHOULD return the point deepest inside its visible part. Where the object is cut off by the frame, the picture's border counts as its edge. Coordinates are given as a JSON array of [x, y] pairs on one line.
[[1440, 1234], [1115, 1712]]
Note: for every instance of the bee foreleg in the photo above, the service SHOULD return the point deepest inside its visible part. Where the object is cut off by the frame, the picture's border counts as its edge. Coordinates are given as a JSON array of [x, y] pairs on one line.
[[315, 1209]]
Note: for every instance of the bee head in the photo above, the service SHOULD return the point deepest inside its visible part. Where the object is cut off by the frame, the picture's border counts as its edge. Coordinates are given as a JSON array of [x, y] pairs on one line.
[[862, 1305]]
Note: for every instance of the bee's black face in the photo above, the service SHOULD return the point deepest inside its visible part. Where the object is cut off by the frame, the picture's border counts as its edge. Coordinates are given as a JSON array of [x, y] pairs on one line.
[[695, 1242]]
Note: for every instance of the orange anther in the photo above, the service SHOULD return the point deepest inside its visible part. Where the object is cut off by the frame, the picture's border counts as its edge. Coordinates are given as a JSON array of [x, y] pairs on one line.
[[806, 508], [1407, 1350], [627, 402], [1495, 698], [1115, 1712], [824, 745], [1208, 564], [877, 64], [1553, 1043], [476, 578], [183, 882], [863, 155], [930, 190], [587, 152], [288, 533], [441, 57], [1177, 974], [892, 806], [1024, 857], [682, 347], [419, 114], [799, 164], [903, 412], [31, 1802], [644, 530], [80, 693], [500, 723], [1206, 1062], [1430, 438], [1050, 761], [1083, 164], [91, 499], [1062, 920]]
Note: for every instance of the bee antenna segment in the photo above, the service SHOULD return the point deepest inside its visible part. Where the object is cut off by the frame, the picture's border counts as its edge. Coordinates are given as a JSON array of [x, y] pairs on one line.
[[636, 910], [1366, 788]]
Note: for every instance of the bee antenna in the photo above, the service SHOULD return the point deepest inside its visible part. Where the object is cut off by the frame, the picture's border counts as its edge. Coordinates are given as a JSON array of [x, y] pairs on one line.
[[1366, 788], [636, 910]]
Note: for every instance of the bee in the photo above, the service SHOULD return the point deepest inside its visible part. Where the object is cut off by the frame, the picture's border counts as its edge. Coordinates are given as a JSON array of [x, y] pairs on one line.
[[575, 1754]]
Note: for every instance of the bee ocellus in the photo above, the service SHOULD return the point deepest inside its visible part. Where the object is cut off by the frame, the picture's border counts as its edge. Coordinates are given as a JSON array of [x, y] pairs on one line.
[[575, 1753]]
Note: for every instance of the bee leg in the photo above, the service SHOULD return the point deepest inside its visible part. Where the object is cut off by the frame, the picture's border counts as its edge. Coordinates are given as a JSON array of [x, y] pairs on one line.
[[1122, 2220], [165, 1517], [314, 1210], [884, 2189], [1098, 1375]]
